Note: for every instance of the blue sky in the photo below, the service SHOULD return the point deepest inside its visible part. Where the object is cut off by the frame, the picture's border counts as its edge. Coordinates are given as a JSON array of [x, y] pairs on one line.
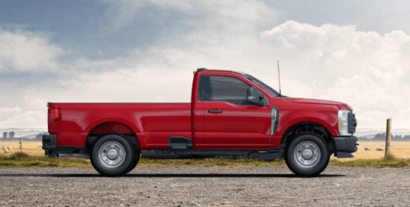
[[355, 52]]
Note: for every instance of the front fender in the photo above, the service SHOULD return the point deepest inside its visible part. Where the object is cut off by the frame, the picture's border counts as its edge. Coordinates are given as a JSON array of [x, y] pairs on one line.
[[326, 119]]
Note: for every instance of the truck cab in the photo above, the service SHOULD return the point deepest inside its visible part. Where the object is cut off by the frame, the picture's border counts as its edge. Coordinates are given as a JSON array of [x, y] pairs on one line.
[[230, 114]]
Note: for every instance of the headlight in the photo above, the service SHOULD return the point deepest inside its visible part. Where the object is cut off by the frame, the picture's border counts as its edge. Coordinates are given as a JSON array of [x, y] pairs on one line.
[[342, 116]]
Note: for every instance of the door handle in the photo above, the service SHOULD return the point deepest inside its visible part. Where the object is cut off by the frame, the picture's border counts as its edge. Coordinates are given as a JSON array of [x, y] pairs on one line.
[[214, 111]]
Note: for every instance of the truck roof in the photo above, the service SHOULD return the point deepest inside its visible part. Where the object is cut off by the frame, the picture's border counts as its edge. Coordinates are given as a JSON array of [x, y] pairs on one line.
[[222, 70]]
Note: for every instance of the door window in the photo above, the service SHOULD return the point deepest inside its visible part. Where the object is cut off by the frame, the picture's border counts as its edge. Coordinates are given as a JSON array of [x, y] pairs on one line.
[[223, 88]]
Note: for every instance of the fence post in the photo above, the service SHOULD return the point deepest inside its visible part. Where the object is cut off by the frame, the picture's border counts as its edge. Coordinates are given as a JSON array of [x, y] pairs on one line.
[[388, 138], [21, 145]]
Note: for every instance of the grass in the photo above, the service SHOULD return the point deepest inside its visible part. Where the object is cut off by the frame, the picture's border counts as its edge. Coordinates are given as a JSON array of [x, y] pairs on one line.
[[21, 159], [388, 162]]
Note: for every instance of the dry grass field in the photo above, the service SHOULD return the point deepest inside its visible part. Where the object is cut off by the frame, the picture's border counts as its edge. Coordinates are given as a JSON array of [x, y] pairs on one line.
[[400, 150], [31, 148]]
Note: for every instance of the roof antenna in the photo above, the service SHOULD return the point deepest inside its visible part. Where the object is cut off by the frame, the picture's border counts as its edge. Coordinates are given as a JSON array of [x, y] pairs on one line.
[[279, 79]]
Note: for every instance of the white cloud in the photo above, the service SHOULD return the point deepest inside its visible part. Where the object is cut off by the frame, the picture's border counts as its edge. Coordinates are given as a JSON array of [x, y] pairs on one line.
[[28, 119], [129, 85], [363, 69], [25, 51], [10, 109]]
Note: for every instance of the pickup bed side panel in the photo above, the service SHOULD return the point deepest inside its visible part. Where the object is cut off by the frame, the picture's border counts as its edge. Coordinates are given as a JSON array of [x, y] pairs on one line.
[[152, 123], [158, 125]]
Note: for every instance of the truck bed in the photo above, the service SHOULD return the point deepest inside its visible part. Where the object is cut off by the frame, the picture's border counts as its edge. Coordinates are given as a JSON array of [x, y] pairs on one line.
[[153, 123]]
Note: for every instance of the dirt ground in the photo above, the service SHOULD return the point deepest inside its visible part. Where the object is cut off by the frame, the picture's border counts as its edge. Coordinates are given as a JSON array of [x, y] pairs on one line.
[[256, 186]]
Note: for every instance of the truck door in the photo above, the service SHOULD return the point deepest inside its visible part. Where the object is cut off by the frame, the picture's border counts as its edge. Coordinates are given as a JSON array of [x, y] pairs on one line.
[[230, 122]]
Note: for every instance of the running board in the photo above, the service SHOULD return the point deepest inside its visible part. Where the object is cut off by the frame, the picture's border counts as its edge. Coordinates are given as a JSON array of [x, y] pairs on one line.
[[180, 143], [86, 156], [344, 155], [265, 156], [174, 153], [271, 155]]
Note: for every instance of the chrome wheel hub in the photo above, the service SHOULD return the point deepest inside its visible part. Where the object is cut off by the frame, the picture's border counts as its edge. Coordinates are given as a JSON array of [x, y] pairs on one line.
[[112, 154], [307, 154]]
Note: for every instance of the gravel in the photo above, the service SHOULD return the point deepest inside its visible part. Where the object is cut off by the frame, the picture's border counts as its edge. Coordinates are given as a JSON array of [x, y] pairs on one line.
[[187, 186]]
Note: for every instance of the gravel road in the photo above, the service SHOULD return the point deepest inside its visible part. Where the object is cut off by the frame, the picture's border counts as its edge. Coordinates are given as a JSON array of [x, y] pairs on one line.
[[256, 186]]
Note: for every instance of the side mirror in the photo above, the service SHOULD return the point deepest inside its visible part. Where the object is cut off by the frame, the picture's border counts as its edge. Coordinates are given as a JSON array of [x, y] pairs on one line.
[[254, 96]]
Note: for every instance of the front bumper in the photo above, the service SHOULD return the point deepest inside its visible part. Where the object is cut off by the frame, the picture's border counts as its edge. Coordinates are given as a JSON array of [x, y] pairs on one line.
[[345, 146]]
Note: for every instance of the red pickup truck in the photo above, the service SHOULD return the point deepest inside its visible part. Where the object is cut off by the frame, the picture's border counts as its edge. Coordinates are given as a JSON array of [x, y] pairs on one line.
[[230, 114]]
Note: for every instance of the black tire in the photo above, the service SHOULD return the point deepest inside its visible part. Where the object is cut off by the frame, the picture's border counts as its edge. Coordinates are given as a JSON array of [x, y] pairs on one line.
[[134, 164], [307, 155], [114, 155]]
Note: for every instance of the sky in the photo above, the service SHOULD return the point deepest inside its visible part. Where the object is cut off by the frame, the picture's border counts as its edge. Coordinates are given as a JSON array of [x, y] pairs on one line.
[[355, 52]]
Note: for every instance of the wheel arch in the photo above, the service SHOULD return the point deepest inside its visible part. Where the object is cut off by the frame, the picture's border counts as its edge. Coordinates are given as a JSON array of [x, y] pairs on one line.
[[111, 127], [309, 127], [116, 120]]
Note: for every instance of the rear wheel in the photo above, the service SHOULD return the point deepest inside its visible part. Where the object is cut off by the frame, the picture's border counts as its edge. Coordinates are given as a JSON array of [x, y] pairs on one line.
[[113, 155], [134, 164], [307, 155]]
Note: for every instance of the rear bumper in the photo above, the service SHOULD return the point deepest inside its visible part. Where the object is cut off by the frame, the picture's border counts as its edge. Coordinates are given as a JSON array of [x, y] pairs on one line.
[[50, 145], [346, 144], [52, 150]]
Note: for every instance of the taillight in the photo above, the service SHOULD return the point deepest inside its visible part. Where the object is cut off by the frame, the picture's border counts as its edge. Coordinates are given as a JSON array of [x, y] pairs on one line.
[[54, 113], [53, 116]]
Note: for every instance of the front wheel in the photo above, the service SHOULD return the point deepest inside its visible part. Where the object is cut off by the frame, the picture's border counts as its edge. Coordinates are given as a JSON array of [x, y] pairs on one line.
[[307, 155], [113, 155]]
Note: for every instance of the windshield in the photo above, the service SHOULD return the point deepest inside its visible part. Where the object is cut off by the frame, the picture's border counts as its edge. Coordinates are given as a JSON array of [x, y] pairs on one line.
[[263, 85]]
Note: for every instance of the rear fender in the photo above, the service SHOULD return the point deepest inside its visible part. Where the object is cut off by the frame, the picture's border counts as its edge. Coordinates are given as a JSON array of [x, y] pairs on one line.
[[125, 122]]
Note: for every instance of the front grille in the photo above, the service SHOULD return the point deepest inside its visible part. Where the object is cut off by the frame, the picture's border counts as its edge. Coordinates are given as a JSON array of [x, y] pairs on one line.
[[351, 123]]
